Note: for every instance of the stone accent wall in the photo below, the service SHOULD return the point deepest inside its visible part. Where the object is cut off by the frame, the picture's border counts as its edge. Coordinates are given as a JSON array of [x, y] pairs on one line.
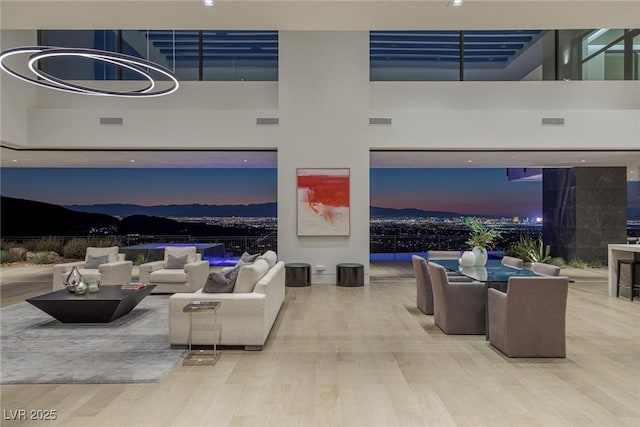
[[584, 209]]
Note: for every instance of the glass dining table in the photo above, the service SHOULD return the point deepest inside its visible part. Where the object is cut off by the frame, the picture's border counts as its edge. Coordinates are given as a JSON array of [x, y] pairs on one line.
[[493, 275]]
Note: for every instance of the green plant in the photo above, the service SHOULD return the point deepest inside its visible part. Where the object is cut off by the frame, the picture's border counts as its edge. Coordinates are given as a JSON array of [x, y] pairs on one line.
[[558, 261], [5, 257], [141, 259], [41, 258], [576, 263], [596, 263], [531, 250], [47, 244], [480, 235], [76, 248]]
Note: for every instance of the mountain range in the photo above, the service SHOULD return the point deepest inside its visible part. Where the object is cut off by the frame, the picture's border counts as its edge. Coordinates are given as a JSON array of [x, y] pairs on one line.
[[262, 210]]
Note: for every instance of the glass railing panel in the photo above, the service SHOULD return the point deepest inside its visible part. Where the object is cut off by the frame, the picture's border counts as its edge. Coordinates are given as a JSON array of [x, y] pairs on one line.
[[414, 56], [77, 68], [603, 55], [240, 55], [502, 55]]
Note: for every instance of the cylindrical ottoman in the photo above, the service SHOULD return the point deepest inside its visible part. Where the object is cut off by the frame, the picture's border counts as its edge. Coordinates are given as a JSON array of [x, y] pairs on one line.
[[297, 274], [350, 274]]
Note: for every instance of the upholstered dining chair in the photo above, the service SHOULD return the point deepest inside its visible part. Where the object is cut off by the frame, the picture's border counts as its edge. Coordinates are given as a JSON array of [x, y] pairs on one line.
[[529, 319], [443, 254], [512, 262], [104, 264], [424, 290], [459, 307], [545, 269]]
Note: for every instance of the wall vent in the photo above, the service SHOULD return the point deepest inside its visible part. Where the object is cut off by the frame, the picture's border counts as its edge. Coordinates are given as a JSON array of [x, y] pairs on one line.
[[267, 121], [380, 121], [553, 120], [111, 120]]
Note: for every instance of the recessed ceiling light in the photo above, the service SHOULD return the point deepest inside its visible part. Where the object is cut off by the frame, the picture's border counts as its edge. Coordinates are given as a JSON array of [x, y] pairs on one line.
[[14, 160], [456, 3], [245, 160], [629, 171], [583, 161], [132, 161], [469, 161], [208, 2]]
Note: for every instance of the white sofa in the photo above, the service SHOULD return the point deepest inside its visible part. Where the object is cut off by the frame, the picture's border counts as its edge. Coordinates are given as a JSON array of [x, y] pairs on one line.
[[114, 271], [188, 278], [245, 318]]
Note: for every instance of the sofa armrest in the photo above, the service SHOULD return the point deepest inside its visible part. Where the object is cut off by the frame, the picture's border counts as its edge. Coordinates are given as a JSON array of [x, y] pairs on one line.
[[197, 273], [149, 267], [59, 271], [115, 273], [242, 317]]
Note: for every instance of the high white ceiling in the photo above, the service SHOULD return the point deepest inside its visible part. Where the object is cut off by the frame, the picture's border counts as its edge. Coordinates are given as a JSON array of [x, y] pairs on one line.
[[318, 14]]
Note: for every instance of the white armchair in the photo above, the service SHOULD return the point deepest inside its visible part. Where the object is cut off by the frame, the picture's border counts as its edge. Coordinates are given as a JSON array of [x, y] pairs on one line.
[[181, 270], [104, 264]]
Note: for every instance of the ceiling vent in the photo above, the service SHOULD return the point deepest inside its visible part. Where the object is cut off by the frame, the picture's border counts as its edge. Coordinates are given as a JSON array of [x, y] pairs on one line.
[[111, 121], [267, 121], [380, 121], [553, 120]]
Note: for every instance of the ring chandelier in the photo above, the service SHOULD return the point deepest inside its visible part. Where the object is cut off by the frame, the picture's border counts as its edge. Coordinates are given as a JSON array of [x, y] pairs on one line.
[[137, 65]]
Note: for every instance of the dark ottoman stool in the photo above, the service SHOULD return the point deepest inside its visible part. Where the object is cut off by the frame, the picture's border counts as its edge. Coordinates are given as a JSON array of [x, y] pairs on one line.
[[297, 274], [350, 274]]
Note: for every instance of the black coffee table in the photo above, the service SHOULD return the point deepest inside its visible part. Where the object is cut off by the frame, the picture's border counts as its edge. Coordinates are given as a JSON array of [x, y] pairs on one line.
[[104, 306]]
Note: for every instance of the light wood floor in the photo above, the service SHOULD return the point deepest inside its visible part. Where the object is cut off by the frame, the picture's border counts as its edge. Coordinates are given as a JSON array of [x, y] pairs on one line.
[[368, 357]]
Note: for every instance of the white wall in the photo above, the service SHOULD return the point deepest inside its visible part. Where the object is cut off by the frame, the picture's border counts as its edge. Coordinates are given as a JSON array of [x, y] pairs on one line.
[[16, 96], [323, 99], [323, 112]]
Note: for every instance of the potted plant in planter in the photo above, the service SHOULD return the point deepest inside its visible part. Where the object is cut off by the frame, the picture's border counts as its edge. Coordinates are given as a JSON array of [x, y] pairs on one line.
[[480, 238]]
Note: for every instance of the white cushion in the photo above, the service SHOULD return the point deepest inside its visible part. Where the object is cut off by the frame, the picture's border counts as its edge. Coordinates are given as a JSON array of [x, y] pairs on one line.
[[111, 252], [249, 276], [168, 276], [270, 257], [178, 251]]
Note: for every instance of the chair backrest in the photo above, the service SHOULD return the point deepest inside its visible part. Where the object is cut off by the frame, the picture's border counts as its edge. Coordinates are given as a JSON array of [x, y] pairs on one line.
[[443, 254], [544, 299], [179, 251], [545, 269], [424, 289], [439, 282], [512, 262], [420, 270], [110, 252]]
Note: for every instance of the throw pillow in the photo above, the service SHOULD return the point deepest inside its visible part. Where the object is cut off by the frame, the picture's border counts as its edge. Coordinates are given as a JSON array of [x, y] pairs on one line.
[[94, 261], [218, 283], [249, 275], [176, 262], [247, 258]]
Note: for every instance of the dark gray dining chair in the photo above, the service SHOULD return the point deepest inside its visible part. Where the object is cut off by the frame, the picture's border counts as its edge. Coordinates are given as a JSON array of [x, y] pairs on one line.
[[512, 262], [545, 269], [529, 319], [459, 307]]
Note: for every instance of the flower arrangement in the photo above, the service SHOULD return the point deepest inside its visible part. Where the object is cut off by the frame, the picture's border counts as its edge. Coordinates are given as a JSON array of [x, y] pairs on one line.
[[480, 235]]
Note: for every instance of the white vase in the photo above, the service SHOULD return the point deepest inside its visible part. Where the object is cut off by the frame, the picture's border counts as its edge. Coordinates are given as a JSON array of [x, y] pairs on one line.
[[481, 256], [468, 259]]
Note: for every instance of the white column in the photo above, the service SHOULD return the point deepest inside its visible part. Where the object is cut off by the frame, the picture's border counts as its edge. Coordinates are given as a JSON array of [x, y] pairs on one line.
[[323, 104]]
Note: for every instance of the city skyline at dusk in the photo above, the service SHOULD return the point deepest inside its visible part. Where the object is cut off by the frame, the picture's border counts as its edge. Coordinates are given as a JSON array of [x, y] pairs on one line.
[[465, 191]]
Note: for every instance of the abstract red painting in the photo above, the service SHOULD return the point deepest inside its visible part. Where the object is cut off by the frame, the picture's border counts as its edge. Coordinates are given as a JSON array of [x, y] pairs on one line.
[[323, 202]]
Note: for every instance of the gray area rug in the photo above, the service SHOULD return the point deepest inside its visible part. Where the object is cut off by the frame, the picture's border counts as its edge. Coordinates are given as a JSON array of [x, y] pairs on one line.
[[37, 349]]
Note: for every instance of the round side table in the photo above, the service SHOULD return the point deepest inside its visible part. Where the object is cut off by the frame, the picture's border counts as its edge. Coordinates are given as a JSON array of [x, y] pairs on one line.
[[350, 274], [297, 274]]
